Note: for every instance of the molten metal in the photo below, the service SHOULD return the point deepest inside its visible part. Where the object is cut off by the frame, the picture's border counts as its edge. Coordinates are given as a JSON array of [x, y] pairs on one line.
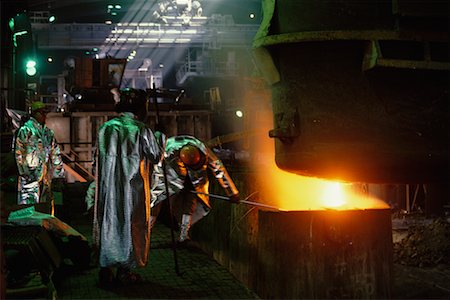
[[294, 192], [290, 191]]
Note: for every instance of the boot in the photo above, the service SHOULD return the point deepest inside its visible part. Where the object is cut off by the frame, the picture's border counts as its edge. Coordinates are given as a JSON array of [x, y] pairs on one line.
[[106, 278], [184, 227]]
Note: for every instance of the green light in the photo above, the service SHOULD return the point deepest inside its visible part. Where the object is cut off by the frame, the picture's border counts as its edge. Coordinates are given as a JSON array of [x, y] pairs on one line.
[[52, 19], [31, 67], [20, 22], [110, 6], [118, 6], [11, 24], [31, 71], [18, 34], [31, 64]]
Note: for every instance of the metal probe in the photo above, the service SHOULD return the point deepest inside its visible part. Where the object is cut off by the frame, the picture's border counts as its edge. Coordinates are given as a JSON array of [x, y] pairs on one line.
[[241, 201]]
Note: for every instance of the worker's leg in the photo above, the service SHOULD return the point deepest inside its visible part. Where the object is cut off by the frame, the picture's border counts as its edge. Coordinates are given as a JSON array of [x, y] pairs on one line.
[[189, 207], [154, 215], [106, 277], [124, 275]]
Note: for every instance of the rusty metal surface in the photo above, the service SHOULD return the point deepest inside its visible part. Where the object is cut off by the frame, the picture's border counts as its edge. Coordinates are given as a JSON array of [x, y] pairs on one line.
[[243, 244], [300, 254], [324, 255], [350, 35]]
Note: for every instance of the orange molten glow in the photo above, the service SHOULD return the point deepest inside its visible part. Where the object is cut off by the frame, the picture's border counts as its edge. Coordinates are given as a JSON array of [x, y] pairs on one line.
[[290, 191]]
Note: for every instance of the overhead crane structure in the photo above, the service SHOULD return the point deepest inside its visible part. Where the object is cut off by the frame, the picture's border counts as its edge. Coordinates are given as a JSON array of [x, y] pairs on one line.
[[215, 33], [200, 33]]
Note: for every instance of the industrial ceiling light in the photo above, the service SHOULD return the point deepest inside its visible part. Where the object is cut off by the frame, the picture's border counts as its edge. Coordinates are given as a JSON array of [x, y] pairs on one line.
[[176, 11], [132, 55], [239, 113], [113, 9], [251, 15], [51, 19]]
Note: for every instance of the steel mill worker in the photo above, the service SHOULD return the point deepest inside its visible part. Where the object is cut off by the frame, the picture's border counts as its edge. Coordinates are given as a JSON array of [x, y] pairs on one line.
[[187, 161], [38, 159], [126, 152]]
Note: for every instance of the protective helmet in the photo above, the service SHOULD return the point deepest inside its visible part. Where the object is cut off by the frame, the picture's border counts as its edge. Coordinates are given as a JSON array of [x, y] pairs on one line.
[[37, 105], [190, 155]]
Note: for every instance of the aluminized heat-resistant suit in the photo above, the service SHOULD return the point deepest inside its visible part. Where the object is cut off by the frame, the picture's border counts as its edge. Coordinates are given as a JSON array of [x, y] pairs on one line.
[[180, 177], [126, 152], [38, 158]]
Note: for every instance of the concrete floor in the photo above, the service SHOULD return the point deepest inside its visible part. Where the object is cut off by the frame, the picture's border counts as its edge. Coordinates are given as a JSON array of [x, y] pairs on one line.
[[201, 276]]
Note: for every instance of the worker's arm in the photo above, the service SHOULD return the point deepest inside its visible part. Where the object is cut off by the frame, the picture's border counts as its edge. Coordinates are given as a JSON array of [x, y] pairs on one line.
[[21, 152], [222, 176]]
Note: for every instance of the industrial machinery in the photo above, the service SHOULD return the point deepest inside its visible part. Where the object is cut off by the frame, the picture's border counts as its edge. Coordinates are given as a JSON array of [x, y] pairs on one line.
[[360, 93], [360, 90], [89, 82]]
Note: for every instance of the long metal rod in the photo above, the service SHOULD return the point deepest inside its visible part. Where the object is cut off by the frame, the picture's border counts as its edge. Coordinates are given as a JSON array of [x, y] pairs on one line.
[[242, 201], [166, 185]]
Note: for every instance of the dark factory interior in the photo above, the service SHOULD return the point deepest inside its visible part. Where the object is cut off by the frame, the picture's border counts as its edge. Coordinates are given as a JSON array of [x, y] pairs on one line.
[[303, 146]]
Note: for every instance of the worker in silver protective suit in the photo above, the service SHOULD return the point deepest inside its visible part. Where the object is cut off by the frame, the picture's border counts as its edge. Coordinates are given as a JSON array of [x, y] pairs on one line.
[[187, 160], [126, 152], [38, 159]]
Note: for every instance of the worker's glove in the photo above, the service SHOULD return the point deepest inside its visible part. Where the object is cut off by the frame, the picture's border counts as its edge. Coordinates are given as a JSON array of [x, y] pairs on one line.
[[235, 199]]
